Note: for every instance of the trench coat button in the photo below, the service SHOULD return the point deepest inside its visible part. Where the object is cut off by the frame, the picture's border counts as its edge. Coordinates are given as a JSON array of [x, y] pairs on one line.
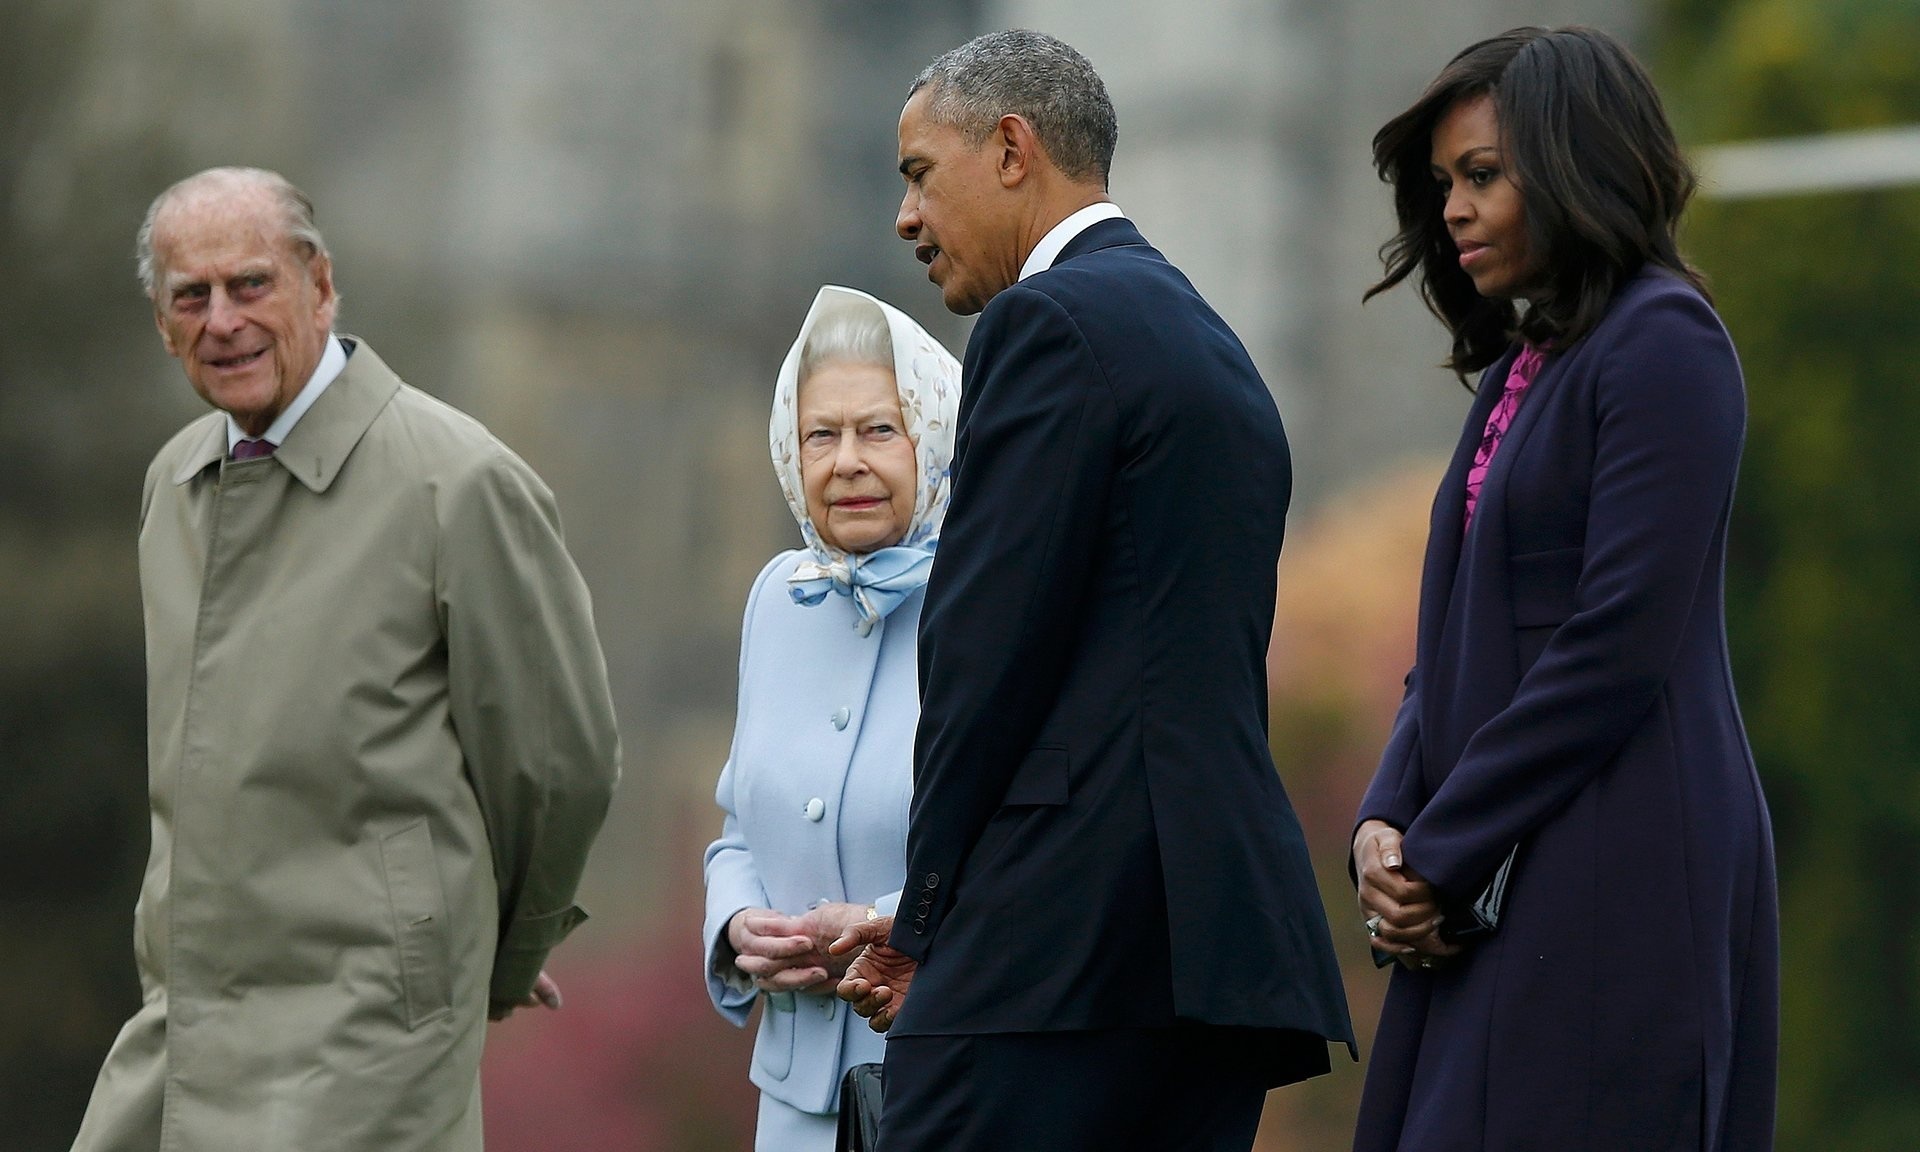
[[816, 809], [840, 718]]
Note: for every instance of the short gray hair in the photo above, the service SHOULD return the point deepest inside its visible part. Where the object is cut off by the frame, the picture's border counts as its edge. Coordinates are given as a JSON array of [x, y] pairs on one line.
[[1036, 77], [296, 211], [848, 330]]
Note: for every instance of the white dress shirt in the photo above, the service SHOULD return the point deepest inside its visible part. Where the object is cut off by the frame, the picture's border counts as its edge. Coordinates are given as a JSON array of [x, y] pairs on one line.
[[332, 361], [1061, 234]]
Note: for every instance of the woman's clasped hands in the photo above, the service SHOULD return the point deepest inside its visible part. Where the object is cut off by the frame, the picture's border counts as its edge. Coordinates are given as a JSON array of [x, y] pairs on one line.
[[1402, 910], [783, 953]]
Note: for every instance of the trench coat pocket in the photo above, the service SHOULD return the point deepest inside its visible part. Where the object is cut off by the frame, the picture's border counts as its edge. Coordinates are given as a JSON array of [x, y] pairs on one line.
[[419, 905], [1041, 778]]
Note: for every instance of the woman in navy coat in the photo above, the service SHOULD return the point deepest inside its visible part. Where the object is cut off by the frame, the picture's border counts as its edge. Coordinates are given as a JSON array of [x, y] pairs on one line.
[[817, 787], [1571, 694]]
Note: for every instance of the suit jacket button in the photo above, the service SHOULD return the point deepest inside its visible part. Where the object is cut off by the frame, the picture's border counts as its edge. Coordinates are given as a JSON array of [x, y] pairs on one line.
[[933, 880], [840, 718], [816, 809], [920, 927]]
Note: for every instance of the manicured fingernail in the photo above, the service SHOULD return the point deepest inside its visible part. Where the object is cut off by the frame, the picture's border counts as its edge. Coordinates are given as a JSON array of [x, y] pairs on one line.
[[1393, 861]]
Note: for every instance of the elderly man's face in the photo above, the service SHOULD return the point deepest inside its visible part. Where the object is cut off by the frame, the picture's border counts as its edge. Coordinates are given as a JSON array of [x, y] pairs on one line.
[[247, 317], [956, 211]]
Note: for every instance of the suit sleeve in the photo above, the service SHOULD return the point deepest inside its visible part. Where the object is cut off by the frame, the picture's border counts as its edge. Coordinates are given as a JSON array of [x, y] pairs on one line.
[[1671, 413], [732, 874], [1033, 467], [528, 695]]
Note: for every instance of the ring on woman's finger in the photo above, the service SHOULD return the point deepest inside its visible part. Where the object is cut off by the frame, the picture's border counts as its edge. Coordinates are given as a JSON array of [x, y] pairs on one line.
[[1373, 926], [1426, 962]]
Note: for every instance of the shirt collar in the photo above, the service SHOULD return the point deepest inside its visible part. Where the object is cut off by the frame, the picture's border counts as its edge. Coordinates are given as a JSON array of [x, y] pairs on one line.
[[1062, 234], [332, 360]]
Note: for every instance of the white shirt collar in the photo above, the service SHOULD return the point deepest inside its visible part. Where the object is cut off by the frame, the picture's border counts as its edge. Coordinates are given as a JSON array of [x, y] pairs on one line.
[[332, 362], [1062, 234]]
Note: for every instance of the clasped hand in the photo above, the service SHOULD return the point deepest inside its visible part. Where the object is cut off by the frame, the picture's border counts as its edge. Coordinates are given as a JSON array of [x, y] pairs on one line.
[[1408, 908], [876, 981], [783, 953]]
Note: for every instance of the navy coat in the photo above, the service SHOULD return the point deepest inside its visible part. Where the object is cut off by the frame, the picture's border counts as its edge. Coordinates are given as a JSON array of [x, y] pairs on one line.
[[1098, 837], [1572, 695]]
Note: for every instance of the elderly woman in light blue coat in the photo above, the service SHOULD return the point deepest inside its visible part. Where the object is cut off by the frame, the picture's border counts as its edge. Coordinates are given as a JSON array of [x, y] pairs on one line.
[[821, 773]]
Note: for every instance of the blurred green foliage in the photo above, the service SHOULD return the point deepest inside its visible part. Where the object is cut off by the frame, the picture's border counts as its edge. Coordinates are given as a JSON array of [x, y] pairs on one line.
[[78, 418], [1822, 295]]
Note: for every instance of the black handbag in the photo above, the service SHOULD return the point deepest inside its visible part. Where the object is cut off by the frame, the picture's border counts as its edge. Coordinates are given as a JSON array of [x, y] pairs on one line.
[[860, 1100], [1481, 918]]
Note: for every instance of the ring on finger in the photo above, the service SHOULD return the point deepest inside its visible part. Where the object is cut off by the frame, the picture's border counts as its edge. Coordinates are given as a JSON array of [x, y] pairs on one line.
[[1373, 926]]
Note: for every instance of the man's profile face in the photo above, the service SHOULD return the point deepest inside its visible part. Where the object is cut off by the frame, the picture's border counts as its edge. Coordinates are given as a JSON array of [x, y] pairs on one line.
[[955, 210], [247, 317]]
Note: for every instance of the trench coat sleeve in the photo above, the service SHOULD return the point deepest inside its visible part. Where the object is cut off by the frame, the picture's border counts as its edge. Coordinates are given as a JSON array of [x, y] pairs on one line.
[[1035, 460], [1670, 414], [529, 701]]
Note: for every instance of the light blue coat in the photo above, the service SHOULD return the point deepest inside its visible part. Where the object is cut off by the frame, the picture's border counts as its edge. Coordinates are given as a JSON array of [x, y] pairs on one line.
[[815, 793]]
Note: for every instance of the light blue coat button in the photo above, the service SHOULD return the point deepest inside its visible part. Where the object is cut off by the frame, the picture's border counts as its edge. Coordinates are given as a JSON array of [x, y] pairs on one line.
[[816, 809], [840, 718]]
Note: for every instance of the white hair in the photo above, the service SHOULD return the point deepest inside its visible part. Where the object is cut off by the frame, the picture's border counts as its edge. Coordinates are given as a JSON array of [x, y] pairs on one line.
[[848, 330], [295, 209]]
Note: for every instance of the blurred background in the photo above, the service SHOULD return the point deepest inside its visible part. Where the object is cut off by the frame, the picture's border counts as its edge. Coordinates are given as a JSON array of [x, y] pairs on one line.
[[597, 225]]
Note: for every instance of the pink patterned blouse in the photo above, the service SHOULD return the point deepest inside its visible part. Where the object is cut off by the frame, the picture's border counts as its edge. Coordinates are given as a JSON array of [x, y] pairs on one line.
[[1525, 367]]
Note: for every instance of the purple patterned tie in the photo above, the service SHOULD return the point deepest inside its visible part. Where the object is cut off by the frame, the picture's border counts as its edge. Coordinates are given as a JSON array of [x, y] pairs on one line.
[[1525, 367], [252, 449]]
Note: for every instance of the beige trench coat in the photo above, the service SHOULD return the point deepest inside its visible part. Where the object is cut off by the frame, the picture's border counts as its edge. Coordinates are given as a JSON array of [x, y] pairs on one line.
[[380, 745]]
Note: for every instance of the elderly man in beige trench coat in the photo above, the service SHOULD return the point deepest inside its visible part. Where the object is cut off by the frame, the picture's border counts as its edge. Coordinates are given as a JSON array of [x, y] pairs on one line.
[[380, 735]]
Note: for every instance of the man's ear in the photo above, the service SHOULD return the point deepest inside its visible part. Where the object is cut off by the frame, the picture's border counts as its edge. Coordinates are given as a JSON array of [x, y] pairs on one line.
[[166, 337], [1020, 151], [320, 271]]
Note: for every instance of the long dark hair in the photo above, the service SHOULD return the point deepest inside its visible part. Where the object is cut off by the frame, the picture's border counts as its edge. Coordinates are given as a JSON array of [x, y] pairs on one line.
[[1585, 138]]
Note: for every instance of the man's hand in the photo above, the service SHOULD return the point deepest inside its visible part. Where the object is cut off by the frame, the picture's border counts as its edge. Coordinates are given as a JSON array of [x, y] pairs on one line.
[[776, 950], [1401, 909], [545, 994], [876, 982]]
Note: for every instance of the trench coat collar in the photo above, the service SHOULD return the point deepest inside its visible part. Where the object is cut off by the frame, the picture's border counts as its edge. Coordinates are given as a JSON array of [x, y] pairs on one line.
[[317, 448]]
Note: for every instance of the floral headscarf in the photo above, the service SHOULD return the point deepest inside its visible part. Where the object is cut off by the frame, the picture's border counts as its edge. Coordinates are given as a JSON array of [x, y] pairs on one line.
[[928, 379]]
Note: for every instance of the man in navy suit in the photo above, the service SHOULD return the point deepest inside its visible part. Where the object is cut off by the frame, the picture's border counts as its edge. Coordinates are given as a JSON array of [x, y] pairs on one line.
[[1110, 935]]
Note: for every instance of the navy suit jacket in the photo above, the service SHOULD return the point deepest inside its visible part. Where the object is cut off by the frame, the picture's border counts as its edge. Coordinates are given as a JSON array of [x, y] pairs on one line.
[[1098, 837]]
